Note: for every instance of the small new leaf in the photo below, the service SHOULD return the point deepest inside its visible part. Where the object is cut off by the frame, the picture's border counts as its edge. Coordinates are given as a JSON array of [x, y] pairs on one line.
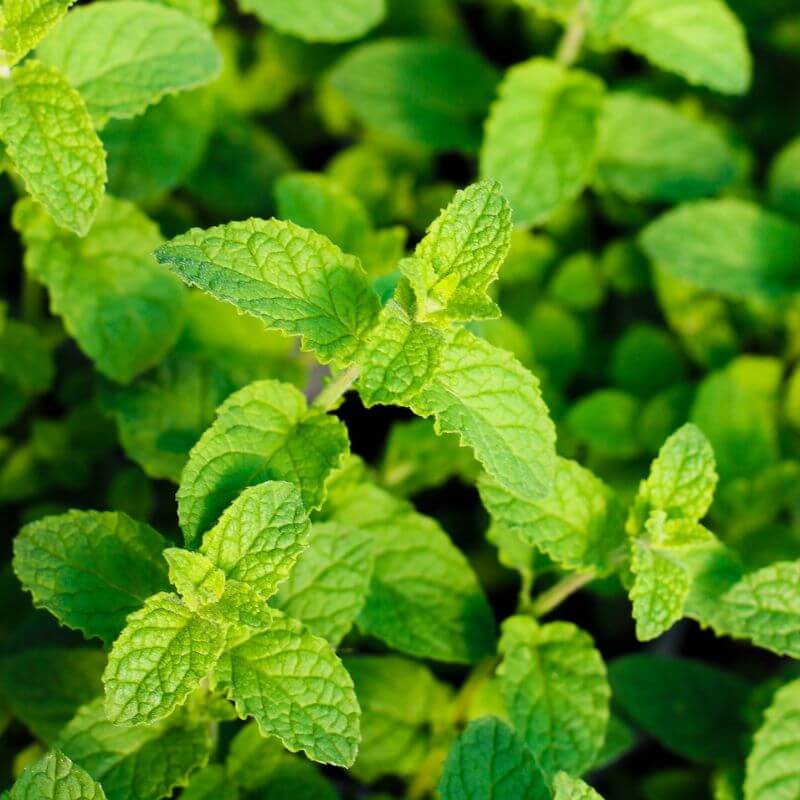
[[196, 579]]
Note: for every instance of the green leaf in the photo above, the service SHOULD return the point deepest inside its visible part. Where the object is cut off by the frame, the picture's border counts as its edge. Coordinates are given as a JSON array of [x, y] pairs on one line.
[[649, 150], [489, 760], [90, 569], [426, 92], [402, 706], [50, 140], [240, 608], [148, 761], [122, 308], [694, 709], [24, 23], [211, 783], [784, 180], [699, 39], [195, 577], [487, 397], [424, 598], [579, 524], [264, 432], [294, 279], [298, 779], [55, 777], [556, 692], [252, 757], [565, 787], [296, 688], [319, 20], [26, 367], [541, 137], [772, 772], [124, 56], [158, 660], [328, 586], [43, 687], [260, 536], [727, 246], [605, 420]]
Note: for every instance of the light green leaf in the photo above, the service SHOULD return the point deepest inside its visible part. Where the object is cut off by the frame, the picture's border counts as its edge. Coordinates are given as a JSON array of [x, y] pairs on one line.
[[327, 587], [487, 397], [23, 23], [296, 688], [260, 536], [122, 308], [50, 140], [727, 246], [292, 278], [599, 13], [649, 150], [240, 608], [399, 359], [579, 524], [319, 20], [556, 692], [158, 660], [541, 137], [55, 777], [195, 577], [699, 39], [424, 598], [423, 91], [146, 761], [90, 569], [772, 766], [460, 256], [125, 55], [264, 432], [402, 707], [489, 760], [565, 787]]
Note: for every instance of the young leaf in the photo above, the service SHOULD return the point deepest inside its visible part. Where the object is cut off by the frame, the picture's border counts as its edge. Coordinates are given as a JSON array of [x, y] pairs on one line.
[[489, 760], [147, 761], [24, 23], [772, 772], [51, 142], [294, 279], [296, 688], [125, 55], [565, 787], [260, 536], [319, 20], [699, 39], [487, 397], [556, 692], [423, 91], [727, 246], [122, 308], [90, 569], [195, 578], [55, 777], [264, 432], [158, 660], [541, 137], [328, 586]]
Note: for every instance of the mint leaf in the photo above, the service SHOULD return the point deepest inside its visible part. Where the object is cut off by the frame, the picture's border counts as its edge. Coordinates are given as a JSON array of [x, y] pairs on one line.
[[55, 777], [26, 367], [319, 20], [605, 421], [541, 137], [262, 432], [195, 578], [463, 249], [489, 760], [772, 764], [699, 39], [158, 660], [784, 180], [260, 536], [123, 309], [425, 92], [126, 55], [49, 138], [147, 761], [565, 787], [556, 692], [253, 758], [296, 688], [90, 569], [24, 23], [328, 586], [294, 279], [210, 783]]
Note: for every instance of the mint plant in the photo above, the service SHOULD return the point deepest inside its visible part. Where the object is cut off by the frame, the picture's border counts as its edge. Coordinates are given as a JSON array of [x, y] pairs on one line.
[[399, 399]]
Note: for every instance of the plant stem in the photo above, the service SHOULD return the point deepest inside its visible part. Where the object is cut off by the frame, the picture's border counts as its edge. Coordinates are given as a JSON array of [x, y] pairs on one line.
[[556, 595], [569, 47], [525, 589], [329, 396]]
